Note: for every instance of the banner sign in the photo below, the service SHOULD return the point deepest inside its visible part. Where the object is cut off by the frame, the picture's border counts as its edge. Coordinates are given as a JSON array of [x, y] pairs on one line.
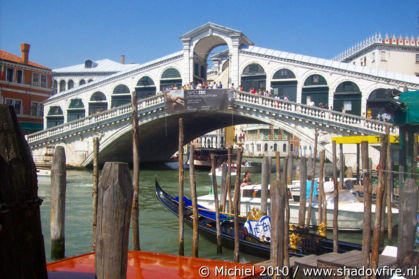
[[198, 99]]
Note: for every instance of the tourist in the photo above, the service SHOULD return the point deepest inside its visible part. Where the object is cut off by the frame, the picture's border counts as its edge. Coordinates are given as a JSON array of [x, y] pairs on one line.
[[252, 90], [199, 86], [246, 179], [315, 189], [232, 86], [241, 87], [285, 98], [220, 85], [329, 185]]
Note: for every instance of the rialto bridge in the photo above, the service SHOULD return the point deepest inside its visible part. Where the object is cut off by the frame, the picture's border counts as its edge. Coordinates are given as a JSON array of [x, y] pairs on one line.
[[101, 108]]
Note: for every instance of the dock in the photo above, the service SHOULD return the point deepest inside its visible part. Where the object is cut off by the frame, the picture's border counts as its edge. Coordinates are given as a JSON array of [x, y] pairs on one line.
[[332, 262]]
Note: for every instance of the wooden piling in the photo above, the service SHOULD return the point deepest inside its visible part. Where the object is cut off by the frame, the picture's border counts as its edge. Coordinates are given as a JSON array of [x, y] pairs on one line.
[[224, 170], [115, 197], [217, 208], [322, 196], [58, 189], [379, 203], [407, 217], [266, 171], [192, 181], [303, 191], [310, 201], [237, 206], [277, 225], [22, 251], [290, 168], [335, 200], [389, 189], [135, 173], [228, 179], [284, 189], [366, 182], [181, 188], [94, 190], [342, 166], [278, 165]]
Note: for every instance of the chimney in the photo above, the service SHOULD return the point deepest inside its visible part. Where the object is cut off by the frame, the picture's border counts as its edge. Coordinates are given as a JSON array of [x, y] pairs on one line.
[[25, 52], [122, 59]]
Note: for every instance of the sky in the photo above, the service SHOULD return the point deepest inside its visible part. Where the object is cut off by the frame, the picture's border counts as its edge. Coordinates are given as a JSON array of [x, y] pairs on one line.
[[64, 33]]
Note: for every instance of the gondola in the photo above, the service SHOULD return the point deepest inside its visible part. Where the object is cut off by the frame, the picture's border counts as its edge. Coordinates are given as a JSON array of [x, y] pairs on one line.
[[309, 243]]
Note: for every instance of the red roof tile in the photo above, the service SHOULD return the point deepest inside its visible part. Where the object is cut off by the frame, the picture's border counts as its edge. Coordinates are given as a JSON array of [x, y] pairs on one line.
[[13, 58]]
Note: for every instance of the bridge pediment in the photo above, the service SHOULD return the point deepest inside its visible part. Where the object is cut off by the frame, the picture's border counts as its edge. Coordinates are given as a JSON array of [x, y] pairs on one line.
[[210, 29]]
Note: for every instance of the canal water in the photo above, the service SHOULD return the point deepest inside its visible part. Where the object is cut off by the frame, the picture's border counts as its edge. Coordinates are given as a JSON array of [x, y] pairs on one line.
[[158, 227]]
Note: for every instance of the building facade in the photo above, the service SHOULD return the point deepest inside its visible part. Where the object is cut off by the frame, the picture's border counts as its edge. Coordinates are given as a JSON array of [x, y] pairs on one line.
[[25, 85], [399, 55], [77, 75]]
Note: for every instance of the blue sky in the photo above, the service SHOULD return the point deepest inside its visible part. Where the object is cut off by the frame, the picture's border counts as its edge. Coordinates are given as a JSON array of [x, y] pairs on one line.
[[64, 33]]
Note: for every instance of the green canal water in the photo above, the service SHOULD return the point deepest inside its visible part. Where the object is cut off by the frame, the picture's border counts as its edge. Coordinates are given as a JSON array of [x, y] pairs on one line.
[[158, 227]]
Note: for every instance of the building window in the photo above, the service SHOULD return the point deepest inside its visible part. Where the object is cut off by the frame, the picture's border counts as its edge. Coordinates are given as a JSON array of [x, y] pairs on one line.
[[35, 79], [10, 74], [19, 76], [44, 81], [17, 104], [373, 57], [284, 148], [37, 109], [258, 147], [383, 55], [417, 58]]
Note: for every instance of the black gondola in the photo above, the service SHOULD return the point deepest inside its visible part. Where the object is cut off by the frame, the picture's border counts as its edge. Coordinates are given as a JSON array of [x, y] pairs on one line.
[[309, 243]]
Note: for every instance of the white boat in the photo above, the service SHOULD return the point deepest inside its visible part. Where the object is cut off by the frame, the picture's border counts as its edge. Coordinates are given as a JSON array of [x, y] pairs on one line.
[[43, 172], [350, 216]]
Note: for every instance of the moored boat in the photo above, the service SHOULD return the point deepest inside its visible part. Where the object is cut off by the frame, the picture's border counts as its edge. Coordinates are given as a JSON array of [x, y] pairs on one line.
[[148, 265]]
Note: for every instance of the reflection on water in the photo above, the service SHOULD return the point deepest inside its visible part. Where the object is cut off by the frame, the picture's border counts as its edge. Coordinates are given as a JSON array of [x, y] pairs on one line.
[[158, 227]]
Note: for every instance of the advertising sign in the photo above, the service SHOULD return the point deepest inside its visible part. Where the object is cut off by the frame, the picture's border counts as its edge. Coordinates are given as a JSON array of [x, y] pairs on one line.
[[195, 100]]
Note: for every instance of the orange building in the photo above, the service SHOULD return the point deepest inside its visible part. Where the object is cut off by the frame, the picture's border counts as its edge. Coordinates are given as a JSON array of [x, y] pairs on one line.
[[24, 85]]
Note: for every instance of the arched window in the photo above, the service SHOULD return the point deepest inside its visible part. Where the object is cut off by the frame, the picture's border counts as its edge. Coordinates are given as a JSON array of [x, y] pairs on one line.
[[170, 79], [378, 100], [97, 103], [275, 147], [347, 98], [89, 64], [284, 84], [284, 147], [253, 76], [55, 86], [55, 116], [62, 85], [75, 110], [121, 95], [70, 84], [90, 80], [82, 81], [315, 89], [145, 88], [266, 147]]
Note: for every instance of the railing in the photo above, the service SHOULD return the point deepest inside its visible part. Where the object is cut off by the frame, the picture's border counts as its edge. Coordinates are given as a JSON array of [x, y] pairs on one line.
[[94, 119], [310, 112], [297, 110]]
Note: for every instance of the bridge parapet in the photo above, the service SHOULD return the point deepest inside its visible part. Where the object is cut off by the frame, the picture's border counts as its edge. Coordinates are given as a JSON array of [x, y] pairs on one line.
[[77, 126], [301, 111]]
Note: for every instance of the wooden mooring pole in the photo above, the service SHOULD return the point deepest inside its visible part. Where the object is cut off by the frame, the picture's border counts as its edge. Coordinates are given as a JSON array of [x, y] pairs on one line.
[[284, 189], [389, 189], [181, 188], [335, 199], [379, 203], [22, 251], [266, 171], [58, 189], [303, 191], [313, 173], [366, 182], [223, 189], [228, 179], [135, 174], [94, 189], [113, 219], [237, 207], [217, 208], [322, 220], [192, 182]]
